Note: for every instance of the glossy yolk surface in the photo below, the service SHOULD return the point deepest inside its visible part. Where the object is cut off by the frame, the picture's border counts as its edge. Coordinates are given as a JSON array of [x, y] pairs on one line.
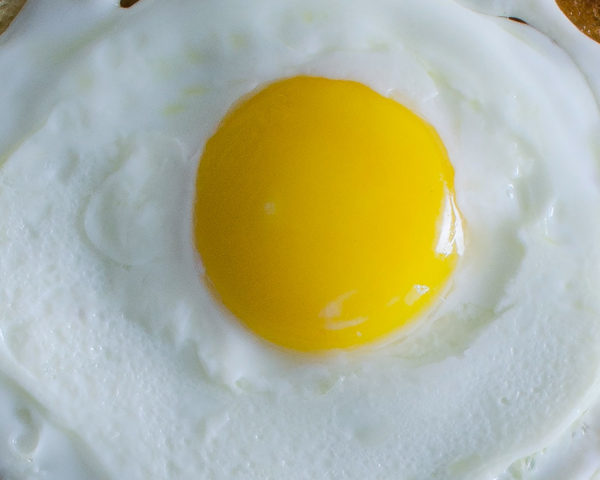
[[320, 214]]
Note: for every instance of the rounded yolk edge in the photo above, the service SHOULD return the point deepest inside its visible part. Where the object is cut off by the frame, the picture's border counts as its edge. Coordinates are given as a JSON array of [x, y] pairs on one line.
[[325, 214]]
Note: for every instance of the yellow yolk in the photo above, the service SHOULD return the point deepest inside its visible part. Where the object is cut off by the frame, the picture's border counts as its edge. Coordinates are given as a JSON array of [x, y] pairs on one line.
[[324, 214]]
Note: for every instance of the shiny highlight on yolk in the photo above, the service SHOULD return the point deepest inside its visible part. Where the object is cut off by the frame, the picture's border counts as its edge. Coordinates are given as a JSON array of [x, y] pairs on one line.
[[325, 214]]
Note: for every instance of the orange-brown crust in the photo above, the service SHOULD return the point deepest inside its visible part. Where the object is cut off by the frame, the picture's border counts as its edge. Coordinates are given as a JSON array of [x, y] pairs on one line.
[[8, 11], [585, 14]]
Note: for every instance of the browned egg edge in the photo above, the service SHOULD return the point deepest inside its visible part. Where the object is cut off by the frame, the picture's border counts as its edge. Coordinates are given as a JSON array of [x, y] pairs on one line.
[[584, 14], [8, 11], [127, 3]]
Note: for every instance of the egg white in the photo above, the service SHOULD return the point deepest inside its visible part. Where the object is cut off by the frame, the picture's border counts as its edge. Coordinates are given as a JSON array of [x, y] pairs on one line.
[[104, 317]]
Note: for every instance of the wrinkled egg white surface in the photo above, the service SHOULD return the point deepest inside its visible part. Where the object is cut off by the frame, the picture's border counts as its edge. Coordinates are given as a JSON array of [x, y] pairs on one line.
[[115, 362]]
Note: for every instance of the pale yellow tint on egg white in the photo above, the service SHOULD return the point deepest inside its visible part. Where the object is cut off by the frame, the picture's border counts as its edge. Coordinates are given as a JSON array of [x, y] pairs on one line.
[[318, 213]]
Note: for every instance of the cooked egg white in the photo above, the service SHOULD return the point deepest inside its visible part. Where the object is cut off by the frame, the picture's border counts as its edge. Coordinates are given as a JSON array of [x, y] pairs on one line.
[[111, 340]]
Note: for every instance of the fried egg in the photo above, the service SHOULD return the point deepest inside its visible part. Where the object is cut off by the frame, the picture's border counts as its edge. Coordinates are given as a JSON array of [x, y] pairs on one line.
[[303, 239]]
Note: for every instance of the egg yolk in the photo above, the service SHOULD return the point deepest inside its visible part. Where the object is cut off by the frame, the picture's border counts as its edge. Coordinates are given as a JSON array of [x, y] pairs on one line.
[[325, 214]]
